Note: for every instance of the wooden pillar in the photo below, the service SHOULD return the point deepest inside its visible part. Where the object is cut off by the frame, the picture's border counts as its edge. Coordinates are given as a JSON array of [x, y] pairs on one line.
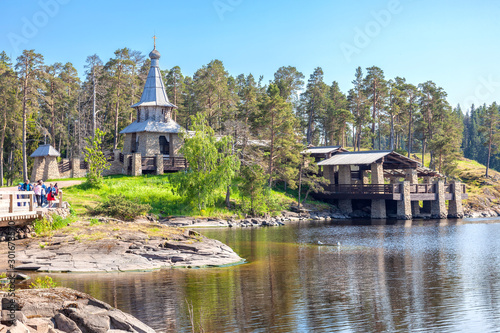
[[345, 205], [455, 208], [31, 197], [404, 205], [60, 205], [438, 207], [378, 205], [412, 176], [11, 203]]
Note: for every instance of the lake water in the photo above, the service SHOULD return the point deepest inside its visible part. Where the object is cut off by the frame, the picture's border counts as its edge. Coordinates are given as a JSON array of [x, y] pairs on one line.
[[420, 276]]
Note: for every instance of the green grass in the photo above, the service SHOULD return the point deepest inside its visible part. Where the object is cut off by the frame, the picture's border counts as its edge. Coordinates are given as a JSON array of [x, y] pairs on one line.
[[44, 227], [158, 192]]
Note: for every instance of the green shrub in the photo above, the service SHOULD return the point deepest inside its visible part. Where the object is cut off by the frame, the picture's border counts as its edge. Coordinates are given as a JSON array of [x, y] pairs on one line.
[[119, 206], [44, 283], [95, 222], [44, 226]]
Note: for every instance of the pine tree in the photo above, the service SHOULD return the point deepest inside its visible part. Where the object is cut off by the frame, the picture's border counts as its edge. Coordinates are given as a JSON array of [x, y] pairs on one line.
[[289, 81], [358, 104], [375, 87], [278, 124], [9, 104], [337, 116], [490, 127], [29, 67], [117, 75], [314, 101], [211, 90], [174, 85]]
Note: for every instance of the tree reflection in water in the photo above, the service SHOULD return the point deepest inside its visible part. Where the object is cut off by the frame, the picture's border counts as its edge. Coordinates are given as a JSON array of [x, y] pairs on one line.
[[400, 277]]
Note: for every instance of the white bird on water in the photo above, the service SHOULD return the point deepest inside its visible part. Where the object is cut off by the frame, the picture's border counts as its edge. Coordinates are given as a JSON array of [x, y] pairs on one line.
[[320, 243]]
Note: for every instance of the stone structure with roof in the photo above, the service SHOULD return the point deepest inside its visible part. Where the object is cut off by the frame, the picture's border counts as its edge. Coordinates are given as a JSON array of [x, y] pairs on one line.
[[153, 132], [377, 175], [45, 165], [151, 143]]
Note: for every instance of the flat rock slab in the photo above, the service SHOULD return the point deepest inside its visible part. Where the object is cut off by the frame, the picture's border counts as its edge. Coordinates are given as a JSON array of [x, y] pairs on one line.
[[125, 255], [67, 310]]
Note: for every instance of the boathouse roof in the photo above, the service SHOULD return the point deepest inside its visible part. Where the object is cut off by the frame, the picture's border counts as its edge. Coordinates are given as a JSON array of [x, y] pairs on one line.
[[321, 150], [390, 159], [45, 150]]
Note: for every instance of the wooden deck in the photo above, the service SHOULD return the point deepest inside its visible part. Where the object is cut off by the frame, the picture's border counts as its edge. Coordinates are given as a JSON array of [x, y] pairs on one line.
[[18, 207], [418, 192]]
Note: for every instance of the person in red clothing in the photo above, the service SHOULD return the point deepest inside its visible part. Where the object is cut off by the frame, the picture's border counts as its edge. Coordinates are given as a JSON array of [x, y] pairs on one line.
[[51, 195]]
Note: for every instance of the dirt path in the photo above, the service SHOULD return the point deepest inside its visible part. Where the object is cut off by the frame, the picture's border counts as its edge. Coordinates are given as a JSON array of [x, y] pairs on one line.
[[60, 184]]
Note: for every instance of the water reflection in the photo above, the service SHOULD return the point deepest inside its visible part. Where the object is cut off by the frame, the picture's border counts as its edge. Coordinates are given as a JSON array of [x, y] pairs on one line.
[[385, 277]]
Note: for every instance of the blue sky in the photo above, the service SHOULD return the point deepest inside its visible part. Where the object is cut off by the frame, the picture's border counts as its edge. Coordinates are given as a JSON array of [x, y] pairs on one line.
[[453, 43]]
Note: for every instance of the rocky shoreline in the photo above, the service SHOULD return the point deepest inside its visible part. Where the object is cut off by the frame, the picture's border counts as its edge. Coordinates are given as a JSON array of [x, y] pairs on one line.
[[288, 216], [65, 310], [121, 246]]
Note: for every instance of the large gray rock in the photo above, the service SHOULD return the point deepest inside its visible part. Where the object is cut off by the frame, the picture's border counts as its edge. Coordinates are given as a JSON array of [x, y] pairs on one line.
[[65, 324], [105, 255], [65, 310]]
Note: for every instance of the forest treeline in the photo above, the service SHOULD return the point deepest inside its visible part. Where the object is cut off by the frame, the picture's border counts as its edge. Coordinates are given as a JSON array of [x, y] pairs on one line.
[[48, 103]]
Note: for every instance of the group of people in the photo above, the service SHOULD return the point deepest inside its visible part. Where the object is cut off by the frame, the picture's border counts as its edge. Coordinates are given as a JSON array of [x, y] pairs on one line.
[[45, 196]]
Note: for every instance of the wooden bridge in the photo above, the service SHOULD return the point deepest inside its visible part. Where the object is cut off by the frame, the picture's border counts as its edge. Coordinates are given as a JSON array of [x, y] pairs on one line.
[[19, 206], [390, 191]]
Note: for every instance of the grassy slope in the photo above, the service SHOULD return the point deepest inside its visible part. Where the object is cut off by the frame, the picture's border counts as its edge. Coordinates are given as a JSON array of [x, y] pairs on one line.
[[159, 193], [483, 192]]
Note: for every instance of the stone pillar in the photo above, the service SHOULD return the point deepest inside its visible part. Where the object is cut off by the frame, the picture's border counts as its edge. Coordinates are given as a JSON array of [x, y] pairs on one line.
[[136, 164], [159, 164], [405, 204], [455, 209], [345, 205], [75, 167], [378, 205], [438, 206], [412, 176], [116, 154], [426, 205]]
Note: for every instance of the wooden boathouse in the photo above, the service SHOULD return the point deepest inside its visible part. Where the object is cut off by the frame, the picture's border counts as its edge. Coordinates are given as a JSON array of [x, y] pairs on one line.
[[388, 180]]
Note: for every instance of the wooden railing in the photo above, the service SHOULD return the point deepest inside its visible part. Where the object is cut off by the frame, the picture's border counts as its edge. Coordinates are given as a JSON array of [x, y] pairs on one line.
[[388, 188], [148, 163], [172, 163], [129, 167], [17, 202], [364, 189], [423, 188], [64, 166]]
